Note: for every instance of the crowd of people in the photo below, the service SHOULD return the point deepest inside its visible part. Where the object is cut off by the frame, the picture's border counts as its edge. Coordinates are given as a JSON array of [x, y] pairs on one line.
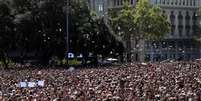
[[176, 81]]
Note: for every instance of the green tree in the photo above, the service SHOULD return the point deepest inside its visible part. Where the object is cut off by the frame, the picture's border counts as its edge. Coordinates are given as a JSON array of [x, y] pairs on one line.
[[145, 21], [41, 26], [90, 34], [50, 24], [6, 32], [124, 25]]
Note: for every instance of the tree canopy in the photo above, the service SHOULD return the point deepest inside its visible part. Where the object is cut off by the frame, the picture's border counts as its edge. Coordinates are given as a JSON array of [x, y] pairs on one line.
[[39, 26], [144, 21]]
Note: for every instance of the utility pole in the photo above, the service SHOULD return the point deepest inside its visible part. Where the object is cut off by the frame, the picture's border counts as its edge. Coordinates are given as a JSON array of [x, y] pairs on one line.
[[67, 31]]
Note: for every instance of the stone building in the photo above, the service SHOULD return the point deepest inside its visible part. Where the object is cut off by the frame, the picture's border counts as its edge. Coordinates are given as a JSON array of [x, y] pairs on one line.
[[178, 43]]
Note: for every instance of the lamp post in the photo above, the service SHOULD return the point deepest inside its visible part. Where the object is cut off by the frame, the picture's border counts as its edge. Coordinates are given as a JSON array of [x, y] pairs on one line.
[[67, 31]]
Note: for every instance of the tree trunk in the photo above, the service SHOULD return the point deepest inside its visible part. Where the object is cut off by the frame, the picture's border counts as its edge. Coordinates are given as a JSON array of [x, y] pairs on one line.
[[142, 50], [128, 48], [3, 57], [5, 63]]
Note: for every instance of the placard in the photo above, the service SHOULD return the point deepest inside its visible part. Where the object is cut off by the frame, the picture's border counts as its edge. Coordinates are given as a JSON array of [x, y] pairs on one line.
[[41, 83], [31, 84], [23, 84]]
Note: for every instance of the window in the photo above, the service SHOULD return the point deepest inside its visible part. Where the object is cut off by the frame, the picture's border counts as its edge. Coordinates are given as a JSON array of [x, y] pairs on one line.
[[156, 1], [172, 29], [131, 2], [147, 57], [164, 44], [180, 45], [194, 18], [172, 3], [180, 18], [121, 2], [187, 19], [118, 2], [180, 31], [115, 2], [194, 2], [167, 2], [172, 18], [100, 7], [176, 2], [187, 30], [179, 2]]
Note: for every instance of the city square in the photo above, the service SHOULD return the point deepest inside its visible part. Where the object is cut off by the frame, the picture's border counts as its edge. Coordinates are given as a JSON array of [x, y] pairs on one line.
[[100, 50]]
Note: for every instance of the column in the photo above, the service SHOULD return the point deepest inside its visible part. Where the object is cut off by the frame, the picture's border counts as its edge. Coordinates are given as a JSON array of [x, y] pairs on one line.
[[176, 23], [106, 6], [182, 2], [158, 1], [192, 2], [196, 2], [184, 23], [168, 14], [110, 3], [167, 2], [186, 2], [168, 18]]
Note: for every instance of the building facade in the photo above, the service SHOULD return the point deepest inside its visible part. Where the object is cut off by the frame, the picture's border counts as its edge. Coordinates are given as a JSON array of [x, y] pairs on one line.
[[178, 43]]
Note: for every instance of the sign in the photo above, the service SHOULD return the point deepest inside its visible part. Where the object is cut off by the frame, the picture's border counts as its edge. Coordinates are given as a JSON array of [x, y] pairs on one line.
[[23, 84], [41, 83], [71, 55], [31, 84], [80, 56]]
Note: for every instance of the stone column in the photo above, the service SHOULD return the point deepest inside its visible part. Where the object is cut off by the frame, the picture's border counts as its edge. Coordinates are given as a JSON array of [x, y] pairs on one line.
[[192, 2], [158, 1], [182, 2], [106, 6], [168, 12], [170, 2], [168, 15], [197, 3], [110, 3], [176, 23], [186, 2]]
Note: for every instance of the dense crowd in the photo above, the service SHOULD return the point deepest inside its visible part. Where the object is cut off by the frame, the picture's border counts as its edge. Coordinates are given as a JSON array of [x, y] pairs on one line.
[[178, 81]]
